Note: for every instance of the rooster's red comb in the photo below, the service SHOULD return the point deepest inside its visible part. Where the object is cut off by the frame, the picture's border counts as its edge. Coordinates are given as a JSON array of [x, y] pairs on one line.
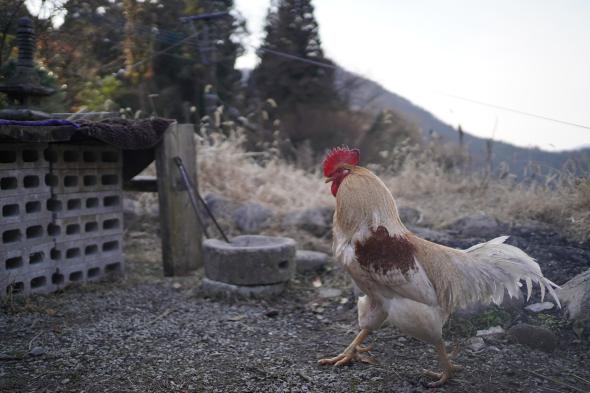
[[338, 156]]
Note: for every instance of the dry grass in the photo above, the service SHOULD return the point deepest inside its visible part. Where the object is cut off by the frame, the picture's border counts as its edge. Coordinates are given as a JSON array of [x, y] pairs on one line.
[[561, 200], [225, 168]]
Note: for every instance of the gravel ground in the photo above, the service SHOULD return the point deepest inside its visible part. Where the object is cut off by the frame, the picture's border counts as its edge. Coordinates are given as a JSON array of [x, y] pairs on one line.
[[150, 334]]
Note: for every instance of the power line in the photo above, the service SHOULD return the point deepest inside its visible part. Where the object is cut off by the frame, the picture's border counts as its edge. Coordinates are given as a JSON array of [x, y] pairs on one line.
[[516, 111], [168, 36], [204, 16], [302, 59], [305, 60], [293, 57], [161, 51], [331, 66]]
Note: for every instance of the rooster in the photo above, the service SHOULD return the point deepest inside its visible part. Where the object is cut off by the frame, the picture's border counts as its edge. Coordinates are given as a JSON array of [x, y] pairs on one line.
[[407, 281]]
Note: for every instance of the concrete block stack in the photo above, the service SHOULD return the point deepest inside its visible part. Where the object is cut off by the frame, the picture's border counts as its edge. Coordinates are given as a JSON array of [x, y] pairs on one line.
[[61, 215]]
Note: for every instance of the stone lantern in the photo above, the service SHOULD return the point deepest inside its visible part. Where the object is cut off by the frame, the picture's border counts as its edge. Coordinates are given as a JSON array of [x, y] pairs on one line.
[[23, 88]]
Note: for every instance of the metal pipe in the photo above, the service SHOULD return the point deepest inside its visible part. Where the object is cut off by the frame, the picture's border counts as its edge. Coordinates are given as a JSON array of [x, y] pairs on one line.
[[192, 190], [191, 195]]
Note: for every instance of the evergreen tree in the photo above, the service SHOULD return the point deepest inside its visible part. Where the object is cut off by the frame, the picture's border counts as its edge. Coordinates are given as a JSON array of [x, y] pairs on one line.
[[100, 37], [291, 28]]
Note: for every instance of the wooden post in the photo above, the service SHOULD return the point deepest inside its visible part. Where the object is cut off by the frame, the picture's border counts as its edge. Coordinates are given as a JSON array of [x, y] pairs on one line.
[[181, 233]]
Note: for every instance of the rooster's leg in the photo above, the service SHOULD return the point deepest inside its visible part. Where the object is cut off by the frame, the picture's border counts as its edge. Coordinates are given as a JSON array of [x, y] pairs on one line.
[[449, 368], [353, 352]]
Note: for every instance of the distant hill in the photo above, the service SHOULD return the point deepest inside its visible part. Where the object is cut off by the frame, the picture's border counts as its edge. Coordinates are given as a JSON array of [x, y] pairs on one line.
[[370, 96]]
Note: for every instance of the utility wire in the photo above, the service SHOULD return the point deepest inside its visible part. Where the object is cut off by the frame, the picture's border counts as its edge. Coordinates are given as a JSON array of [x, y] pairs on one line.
[[331, 66], [302, 59], [171, 35], [305, 60], [516, 111], [161, 51], [293, 57]]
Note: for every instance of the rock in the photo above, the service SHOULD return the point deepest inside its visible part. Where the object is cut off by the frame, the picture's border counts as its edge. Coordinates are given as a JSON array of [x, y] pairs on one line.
[[37, 351], [221, 207], [490, 331], [538, 307], [475, 344], [251, 217], [575, 295], [512, 303], [317, 221], [153, 210], [477, 225], [328, 293], [430, 234], [249, 260], [310, 261], [131, 207], [409, 215], [135, 211], [534, 337], [528, 226]]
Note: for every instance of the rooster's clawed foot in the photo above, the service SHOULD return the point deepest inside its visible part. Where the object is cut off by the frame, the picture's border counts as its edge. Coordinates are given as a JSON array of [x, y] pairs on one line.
[[442, 378], [358, 353]]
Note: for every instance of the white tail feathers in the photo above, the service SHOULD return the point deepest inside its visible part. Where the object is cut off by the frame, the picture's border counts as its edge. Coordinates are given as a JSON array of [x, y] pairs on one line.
[[493, 267]]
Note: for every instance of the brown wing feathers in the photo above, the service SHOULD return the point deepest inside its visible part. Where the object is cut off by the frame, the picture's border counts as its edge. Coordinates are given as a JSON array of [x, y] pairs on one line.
[[381, 253]]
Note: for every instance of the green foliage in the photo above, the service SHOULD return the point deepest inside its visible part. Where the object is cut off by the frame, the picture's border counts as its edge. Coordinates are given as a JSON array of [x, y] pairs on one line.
[[466, 327], [101, 37], [493, 317], [100, 94], [552, 322]]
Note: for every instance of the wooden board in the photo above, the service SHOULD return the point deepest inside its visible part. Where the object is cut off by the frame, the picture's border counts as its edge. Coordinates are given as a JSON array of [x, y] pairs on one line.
[[180, 229], [141, 184]]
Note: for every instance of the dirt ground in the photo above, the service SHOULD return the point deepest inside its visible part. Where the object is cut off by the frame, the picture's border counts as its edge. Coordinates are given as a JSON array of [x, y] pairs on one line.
[[144, 333]]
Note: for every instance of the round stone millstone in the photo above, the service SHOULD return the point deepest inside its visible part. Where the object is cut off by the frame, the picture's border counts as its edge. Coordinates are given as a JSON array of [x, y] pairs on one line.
[[217, 288], [249, 260]]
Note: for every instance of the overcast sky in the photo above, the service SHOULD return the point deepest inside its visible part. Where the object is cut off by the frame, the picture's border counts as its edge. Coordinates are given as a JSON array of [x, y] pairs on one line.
[[528, 55]]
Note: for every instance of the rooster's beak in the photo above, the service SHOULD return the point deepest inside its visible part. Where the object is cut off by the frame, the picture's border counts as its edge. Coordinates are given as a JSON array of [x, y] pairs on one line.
[[328, 179]]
